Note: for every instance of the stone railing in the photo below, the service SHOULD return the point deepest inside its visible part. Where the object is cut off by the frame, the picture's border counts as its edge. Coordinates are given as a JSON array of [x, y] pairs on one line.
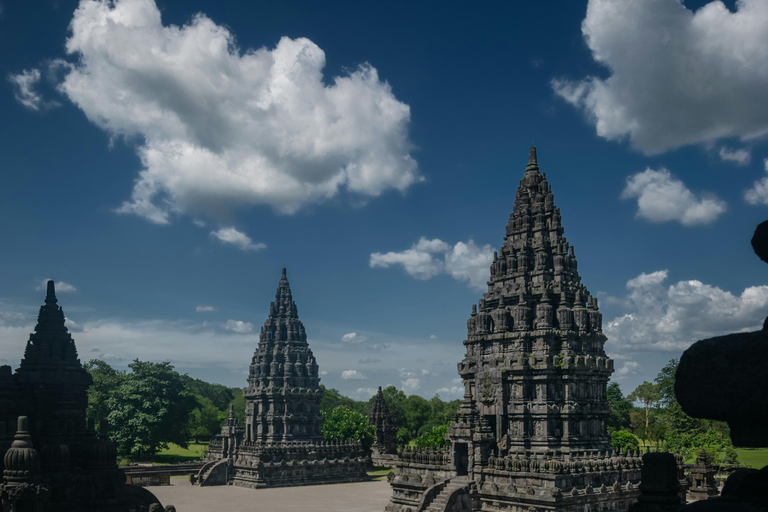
[[301, 451], [579, 462], [434, 456]]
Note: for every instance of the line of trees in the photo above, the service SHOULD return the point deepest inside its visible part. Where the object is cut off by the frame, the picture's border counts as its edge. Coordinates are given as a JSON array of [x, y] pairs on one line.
[[151, 405], [661, 420]]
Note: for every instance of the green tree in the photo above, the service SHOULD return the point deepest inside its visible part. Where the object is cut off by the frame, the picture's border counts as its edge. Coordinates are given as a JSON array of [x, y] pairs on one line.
[[344, 424], [105, 381], [218, 394], [621, 439], [620, 408], [150, 409], [239, 404], [665, 383], [433, 437], [647, 394], [205, 420], [417, 412], [395, 400]]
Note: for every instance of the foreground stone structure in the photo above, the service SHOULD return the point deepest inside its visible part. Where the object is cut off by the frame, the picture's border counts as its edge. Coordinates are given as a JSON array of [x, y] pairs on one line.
[[384, 449], [531, 431], [50, 458], [281, 443]]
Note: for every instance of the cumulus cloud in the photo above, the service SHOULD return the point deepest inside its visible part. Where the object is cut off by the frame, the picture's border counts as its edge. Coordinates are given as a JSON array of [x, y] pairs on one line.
[[238, 326], [455, 390], [411, 385], [237, 238], [353, 337], [61, 286], [662, 198], [758, 192], [677, 77], [72, 326], [352, 375], [627, 369], [204, 309], [671, 318], [222, 127], [24, 86], [428, 258], [739, 156]]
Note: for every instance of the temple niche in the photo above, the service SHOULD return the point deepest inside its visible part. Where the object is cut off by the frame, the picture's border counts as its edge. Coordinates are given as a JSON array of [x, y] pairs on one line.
[[51, 458], [281, 443], [531, 431]]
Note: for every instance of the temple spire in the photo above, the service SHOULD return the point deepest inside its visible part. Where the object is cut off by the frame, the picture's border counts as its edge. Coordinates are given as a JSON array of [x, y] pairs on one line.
[[50, 295], [533, 162]]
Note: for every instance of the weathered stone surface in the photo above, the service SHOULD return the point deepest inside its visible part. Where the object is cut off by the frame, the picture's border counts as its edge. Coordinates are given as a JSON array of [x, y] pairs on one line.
[[531, 431], [281, 443], [56, 462], [385, 445]]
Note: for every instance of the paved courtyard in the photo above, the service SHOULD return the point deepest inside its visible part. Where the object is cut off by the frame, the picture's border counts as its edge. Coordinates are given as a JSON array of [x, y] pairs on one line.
[[356, 497]]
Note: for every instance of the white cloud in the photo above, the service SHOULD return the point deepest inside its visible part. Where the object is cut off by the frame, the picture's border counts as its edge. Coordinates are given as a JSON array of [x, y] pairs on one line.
[[677, 77], [627, 369], [410, 386], [366, 393], [463, 261], [223, 127], [432, 337], [238, 326], [24, 84], [671, 318], [352, 375], [204, 309], [353, 337], [378, 347], [662, 198], [758, 193], [455, 390], [237, 238], [369, 360], [61, 286], [72, 326], [739, 156]]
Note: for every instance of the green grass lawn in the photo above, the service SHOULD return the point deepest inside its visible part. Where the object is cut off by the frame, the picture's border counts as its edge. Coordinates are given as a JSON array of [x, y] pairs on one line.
[[753, 457], [176, 453]]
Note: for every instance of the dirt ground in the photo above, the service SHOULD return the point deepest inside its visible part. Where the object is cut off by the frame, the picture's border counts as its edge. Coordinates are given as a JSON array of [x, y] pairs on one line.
[[356, 497]]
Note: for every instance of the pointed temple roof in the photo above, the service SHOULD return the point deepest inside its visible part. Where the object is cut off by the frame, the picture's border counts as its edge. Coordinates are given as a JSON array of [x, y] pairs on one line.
[[50, 344], [283, 324], [379, 414], [535, 263]]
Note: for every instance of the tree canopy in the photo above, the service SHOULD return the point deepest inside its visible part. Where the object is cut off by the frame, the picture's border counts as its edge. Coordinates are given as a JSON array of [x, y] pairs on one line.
[[344, 424], [149, 409]]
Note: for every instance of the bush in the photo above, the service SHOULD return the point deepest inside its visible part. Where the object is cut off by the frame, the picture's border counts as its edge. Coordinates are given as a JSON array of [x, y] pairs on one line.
[[433, 437], [623, 440], [344, 424], [403, 436]]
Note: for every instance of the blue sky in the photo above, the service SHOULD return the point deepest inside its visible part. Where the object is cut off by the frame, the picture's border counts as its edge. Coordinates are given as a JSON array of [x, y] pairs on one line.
[[163, 161]]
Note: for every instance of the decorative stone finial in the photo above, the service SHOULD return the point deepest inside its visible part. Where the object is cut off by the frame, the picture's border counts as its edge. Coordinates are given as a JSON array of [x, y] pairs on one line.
[[533, 163], [50, 295], [284, 274]]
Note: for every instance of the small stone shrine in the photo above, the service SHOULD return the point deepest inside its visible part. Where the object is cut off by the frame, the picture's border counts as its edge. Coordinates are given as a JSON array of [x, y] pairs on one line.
[[51, 460], [531, 431], [384, 449], [281, 443], [703, 484]]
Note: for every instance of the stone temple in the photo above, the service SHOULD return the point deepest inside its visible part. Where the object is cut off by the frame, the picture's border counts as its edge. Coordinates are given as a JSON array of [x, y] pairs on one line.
[[281, 443], [51, 458], [531, 431]]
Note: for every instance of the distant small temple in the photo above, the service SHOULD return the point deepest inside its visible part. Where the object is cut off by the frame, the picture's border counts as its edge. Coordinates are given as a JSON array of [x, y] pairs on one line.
[[51, 460], [384, 449], [281, 443], [531, 431]]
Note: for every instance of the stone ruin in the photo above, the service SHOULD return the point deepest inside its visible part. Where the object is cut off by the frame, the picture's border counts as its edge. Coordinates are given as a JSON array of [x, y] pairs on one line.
[[531, 431], [384, 449], [51, 459], [281, 443]]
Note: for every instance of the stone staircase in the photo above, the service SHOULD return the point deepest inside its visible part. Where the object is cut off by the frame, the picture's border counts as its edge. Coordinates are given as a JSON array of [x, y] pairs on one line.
[[441, 500]]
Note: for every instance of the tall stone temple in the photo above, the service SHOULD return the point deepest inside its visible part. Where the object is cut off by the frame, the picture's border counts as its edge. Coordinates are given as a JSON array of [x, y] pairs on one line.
[[51, 458], [531, 431], [281, 443], [384, 449]]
